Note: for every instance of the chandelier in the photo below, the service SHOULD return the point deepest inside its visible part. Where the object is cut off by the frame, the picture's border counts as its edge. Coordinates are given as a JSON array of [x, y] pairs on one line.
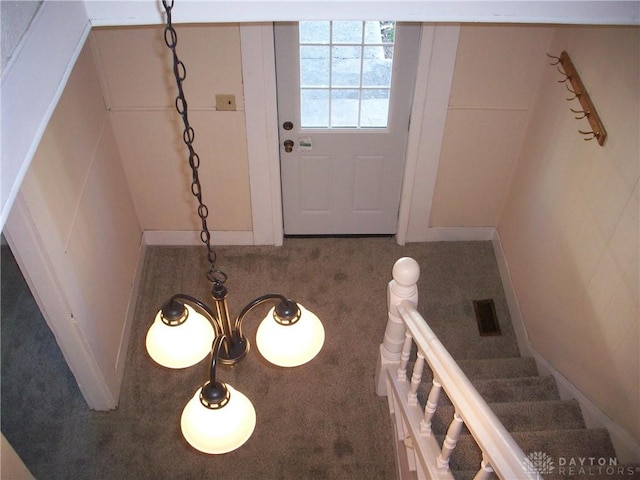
[[218, 418]]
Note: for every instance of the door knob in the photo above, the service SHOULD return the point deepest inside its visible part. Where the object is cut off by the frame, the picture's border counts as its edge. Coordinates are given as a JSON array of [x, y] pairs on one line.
[[288, 146]]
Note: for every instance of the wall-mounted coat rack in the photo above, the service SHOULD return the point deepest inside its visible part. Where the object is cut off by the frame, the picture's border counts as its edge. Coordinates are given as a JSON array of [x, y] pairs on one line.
[[579, 92]]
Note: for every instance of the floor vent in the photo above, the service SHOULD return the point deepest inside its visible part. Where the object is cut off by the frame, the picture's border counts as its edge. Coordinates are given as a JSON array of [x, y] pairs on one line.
[[486, 317]]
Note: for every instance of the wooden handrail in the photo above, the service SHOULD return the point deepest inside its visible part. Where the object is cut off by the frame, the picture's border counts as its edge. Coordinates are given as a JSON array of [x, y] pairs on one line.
[[505, 456]]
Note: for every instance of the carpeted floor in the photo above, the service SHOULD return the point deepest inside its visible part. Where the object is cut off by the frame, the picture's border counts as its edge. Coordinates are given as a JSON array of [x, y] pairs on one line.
[[318, 421]]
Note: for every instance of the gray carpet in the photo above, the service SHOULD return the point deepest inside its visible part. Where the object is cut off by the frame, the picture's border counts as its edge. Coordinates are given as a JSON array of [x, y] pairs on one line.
[[319, 421], [42, 409]]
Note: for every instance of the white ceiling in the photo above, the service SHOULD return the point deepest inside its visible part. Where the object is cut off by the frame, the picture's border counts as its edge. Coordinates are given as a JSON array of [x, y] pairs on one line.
[[106, 12]]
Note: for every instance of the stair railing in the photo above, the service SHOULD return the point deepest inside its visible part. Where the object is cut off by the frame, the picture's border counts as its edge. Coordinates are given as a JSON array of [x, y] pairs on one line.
[[418, 452]]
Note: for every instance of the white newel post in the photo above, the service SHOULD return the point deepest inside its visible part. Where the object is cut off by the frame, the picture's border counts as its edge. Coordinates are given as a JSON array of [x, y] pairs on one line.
[[403, 287]]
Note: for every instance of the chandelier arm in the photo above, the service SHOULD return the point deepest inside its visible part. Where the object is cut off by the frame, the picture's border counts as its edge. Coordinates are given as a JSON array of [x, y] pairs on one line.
[[214, 394], [254, 303], [215, 352], [203, 308]]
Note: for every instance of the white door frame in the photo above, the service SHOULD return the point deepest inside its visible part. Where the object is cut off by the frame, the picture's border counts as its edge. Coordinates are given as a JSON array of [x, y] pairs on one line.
[[261, 118], [436, 63], [438, 47]]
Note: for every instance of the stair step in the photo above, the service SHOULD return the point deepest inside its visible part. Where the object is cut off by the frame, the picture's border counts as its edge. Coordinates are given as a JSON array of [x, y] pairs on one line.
[[487, 368], [537, 416], [530, 408], [521, 389], [577, 455], [523, 416], [462, 341], [561, 446], [511, 367], [499, 390], [591, 443]]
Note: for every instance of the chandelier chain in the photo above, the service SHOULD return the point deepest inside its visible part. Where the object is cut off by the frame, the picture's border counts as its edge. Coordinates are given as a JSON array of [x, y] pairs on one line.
[[188, 136]]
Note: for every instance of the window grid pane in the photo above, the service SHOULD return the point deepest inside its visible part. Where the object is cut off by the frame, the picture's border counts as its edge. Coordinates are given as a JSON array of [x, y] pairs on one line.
[[315, 105], [345, 73]]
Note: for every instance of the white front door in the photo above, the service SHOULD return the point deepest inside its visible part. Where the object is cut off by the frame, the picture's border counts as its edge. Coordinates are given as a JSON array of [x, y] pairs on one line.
[[344, 99]]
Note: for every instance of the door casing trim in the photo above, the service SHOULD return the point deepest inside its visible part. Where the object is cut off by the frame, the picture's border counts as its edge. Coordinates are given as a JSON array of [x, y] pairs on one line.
[[261, 119], [436, 64], [438, 47]]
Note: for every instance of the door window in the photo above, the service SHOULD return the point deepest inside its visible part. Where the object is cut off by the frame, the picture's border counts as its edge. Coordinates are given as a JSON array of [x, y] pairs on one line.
[[345, 73]]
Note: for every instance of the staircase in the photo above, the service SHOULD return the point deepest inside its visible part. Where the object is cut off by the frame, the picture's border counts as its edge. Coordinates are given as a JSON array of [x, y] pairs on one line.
[[518, 418], [530, 408]]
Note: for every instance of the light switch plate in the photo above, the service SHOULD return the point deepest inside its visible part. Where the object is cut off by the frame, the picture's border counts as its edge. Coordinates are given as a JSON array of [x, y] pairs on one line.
[[226, 102]]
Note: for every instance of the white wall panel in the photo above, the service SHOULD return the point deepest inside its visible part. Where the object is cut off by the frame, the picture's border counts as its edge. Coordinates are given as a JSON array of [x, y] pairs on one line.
[[136, 75], [478, 157], [65, 154], [156, 164], [136, 65], [498, 66], [495, 80], [105, 232], [77, 201]]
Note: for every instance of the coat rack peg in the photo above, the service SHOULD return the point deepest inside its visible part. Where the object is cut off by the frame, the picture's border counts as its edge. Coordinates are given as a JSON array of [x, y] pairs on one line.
[[578, 112], [557, 59], [593, 135], [575, 94], [577, 88], [566, 76]]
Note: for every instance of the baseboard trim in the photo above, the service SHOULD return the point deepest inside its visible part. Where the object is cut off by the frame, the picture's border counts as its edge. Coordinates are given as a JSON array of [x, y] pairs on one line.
[[459, 234], [512, 300], [627, 448], [192, 238], [131, 308]]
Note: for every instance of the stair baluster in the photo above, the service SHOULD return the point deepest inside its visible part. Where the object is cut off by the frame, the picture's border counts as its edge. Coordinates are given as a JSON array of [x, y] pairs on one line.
[[416, 378], [485, 469], [430, 407], [450, 441], [404, 357]]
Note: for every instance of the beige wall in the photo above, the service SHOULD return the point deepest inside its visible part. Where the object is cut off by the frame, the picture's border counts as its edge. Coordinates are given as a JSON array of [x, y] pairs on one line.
[[135, 71], [78, 196], [570, 224], [494, 85]]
